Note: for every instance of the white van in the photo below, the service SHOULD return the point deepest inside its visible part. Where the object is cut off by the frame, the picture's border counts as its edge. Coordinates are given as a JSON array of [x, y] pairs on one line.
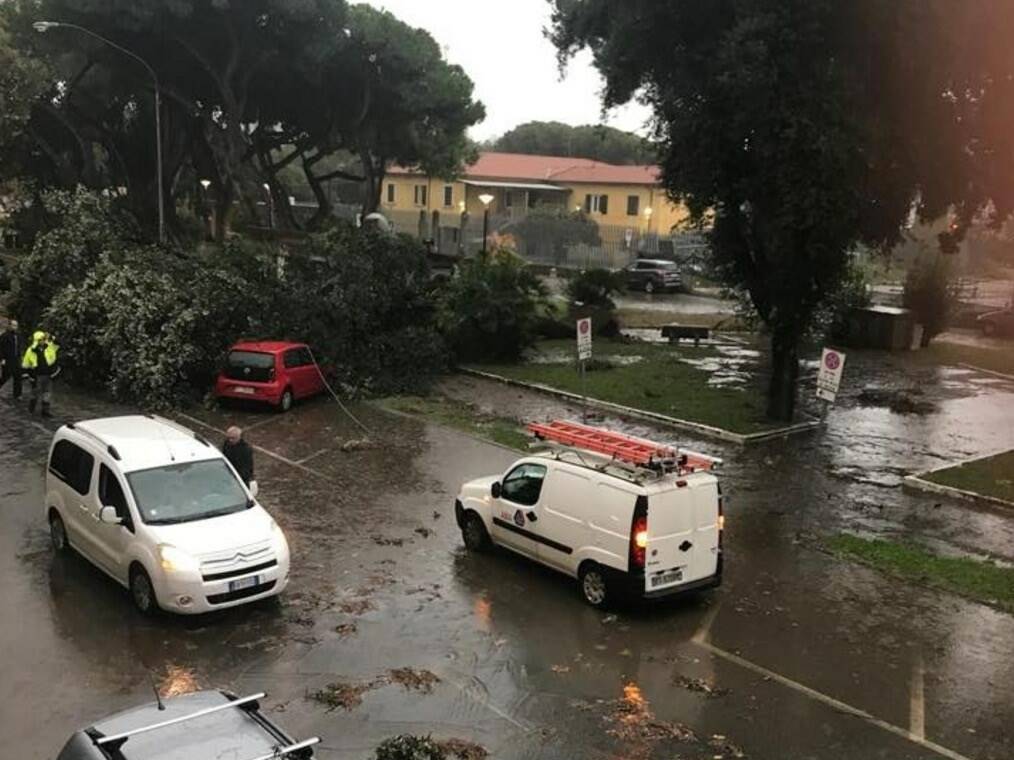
[[624, 516], [160, 510]]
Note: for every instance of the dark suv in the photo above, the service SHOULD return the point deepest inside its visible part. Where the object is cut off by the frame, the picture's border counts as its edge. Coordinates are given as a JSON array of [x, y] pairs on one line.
[[653, 275], [205, 724]]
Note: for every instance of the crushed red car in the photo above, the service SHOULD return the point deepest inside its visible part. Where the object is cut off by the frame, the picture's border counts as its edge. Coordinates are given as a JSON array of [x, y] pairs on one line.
[[273, 372]]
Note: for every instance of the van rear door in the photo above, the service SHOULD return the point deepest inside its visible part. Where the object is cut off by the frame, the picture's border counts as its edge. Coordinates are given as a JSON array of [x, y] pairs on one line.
[[682, 534]]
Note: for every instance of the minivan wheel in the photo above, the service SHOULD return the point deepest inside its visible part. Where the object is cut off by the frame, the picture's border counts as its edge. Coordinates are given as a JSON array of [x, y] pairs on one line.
[[649, 287], [142, 592], [58, 533], [285, 404], [594, 587], [474, 533]]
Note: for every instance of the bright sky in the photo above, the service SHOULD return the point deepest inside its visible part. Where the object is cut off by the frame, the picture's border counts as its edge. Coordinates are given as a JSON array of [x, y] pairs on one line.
[[500, 45]]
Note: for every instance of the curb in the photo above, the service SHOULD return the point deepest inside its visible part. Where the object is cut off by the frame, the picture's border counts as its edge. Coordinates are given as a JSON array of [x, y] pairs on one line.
[[917, 482], [992, 373], [626, 411]]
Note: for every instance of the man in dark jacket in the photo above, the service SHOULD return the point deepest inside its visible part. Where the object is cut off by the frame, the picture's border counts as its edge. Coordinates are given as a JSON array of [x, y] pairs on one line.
[[239, 453], [10, 358]]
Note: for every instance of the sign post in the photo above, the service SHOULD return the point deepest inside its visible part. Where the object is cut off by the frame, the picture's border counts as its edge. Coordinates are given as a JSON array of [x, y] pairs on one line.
[[584, 352], [832, 364]]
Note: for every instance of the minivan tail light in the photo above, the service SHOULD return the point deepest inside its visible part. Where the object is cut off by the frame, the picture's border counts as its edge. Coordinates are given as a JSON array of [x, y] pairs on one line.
[[639, 533], [721, 517]]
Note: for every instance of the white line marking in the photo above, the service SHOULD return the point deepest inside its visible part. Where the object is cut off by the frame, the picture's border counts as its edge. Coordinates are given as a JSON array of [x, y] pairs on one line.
[[261, 449], [917, 708], [304, 460], [832, 702], [703, 635]]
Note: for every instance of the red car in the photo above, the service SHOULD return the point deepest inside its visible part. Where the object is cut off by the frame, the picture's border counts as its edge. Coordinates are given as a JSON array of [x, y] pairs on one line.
[[275, 372]]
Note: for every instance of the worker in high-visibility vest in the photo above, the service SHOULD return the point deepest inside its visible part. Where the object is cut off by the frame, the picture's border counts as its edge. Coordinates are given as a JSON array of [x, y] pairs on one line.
[[39, 363]]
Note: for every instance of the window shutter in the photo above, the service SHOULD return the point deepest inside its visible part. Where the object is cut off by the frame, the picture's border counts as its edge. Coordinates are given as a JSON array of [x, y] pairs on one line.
[[604, 204], [390, 192], [587, 204], [633, 205]]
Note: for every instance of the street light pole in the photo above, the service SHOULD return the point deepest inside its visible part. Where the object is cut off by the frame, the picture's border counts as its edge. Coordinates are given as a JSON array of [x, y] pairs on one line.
[[44, 26], [486, 199]]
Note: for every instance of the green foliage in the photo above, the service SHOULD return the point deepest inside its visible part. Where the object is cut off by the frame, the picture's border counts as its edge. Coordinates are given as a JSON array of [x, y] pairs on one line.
[[490, 309], [551, 229], [932, 294], [408, 747], [770, 130], [596, 287], [594, 141], [832, 319]]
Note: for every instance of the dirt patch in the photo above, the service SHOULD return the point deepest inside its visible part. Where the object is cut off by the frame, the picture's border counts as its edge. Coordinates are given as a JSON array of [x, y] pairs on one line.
[[356, 606], [346, 696], [424, 532], [344, 630], [463, 749], [385, 541], [699, 686], [899, 401], [414, 680]]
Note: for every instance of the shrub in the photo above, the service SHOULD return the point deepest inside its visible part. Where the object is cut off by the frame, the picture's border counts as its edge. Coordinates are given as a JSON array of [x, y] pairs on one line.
[[408, 747], [932, 295], [595, 288], [491, 309], [548, 232], [832, 321]]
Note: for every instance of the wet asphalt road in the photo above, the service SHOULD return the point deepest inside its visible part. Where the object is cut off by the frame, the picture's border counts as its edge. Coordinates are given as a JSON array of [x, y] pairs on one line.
[[805, 656]]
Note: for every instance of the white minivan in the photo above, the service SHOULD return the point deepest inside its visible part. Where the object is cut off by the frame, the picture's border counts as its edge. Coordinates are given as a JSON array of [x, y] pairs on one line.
[[161, 511], [624, 523]]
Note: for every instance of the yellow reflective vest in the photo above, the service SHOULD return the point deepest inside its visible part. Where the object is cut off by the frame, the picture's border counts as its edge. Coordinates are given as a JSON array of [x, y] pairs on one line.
[[30, 360]]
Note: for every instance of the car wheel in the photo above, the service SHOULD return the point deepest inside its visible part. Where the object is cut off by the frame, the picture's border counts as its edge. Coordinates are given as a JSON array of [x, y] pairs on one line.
[[285, 403], [989, 329], [594, 587], [474, 533], [649, 287], [58, 534], [142, 592]]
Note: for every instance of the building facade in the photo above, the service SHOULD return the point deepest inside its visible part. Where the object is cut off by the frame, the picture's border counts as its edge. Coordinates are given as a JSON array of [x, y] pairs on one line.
[[621, 197]]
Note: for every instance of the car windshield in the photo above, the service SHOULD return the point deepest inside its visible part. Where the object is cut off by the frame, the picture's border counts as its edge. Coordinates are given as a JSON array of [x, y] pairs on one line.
[[186, 492], [252, 359]]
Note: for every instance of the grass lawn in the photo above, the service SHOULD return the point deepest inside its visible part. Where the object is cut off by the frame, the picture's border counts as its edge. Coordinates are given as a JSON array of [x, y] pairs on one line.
[[994, 359], [462, 417], [659, 383], [972, 578], [991, 476]]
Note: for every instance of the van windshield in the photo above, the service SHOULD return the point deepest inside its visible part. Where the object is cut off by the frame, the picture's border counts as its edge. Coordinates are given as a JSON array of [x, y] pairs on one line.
[[182, 493]]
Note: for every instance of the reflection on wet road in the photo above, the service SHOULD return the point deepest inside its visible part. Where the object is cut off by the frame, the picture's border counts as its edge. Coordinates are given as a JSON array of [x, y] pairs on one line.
[[761, 668]]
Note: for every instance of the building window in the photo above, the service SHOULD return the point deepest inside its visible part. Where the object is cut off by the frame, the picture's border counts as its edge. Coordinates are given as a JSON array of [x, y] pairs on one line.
[[633, 205], [390, 192], [508, 199], [596, 204], [420, 195], [448, 196]]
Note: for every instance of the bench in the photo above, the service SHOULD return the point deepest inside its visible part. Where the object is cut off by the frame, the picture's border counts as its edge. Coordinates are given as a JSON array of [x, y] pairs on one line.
[[675, 333]]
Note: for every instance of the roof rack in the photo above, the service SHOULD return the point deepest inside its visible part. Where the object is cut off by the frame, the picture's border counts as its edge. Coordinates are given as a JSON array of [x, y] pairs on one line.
[[121, 737], [110, 449], [627, 449], [282, 751]]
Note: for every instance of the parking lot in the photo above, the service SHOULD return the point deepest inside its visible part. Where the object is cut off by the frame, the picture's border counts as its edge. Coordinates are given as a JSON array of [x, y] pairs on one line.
[[798, 655]]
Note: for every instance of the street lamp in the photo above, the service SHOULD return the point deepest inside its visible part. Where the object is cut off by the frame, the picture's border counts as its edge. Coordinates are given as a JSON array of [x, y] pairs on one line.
[[271, 205], [45, 26], [485, 199]]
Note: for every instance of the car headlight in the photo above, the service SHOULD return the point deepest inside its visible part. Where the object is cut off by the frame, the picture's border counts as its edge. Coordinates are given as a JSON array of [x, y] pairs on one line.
[[175, 560]]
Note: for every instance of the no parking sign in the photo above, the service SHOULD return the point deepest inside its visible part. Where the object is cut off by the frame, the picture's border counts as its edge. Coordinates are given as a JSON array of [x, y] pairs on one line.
[[832, 364], [584, 339]]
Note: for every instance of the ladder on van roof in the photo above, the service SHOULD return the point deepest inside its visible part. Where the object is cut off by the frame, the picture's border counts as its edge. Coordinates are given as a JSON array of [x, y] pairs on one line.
[[622, 447]]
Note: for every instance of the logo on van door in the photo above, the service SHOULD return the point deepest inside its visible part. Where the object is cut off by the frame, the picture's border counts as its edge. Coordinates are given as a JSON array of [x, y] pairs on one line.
[[519, 518]]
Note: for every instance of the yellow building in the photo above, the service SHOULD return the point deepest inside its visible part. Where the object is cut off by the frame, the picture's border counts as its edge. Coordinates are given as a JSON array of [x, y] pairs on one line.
[[627, 199]]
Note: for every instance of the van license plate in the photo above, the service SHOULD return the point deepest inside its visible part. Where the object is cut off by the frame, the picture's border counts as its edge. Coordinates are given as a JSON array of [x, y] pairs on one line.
[[664, 579], [241, 389], [243, 583]]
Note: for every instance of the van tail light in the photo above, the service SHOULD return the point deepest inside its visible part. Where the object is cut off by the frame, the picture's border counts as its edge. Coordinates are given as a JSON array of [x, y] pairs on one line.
[[639, 533], [721, 519]]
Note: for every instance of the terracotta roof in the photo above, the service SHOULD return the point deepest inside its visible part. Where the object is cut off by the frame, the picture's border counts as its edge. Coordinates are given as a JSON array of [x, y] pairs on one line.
[[522, 166]]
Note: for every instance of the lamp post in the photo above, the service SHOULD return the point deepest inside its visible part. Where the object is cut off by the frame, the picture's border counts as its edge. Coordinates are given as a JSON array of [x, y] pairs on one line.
[[207, 212], [485, 199], [45, 26], [271, 206], [647, 218]]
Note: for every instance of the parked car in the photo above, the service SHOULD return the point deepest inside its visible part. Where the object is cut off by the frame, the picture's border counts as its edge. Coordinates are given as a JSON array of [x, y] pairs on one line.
[[274, 372], [998, 324], [653, 275], [203, 724], [160, 510], [622, 529]]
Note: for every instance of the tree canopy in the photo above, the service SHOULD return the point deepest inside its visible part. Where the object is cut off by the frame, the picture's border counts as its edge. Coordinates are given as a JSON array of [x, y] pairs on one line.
[[795, 129], [594, 141], [249, 87]]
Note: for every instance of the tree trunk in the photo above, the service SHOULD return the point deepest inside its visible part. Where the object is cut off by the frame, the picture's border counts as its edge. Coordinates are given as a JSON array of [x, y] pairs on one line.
[[784, 375]]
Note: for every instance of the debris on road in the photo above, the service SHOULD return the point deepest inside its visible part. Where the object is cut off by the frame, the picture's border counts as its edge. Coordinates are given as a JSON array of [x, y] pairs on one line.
[[344, 630], [414, 680], [700, 686], [424, 532], [346, 696], [899, 401], [463, 749], [356, 606], [384, 541]]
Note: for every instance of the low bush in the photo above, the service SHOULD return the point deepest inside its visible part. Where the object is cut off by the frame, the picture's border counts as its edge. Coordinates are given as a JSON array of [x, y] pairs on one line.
[[491, 309], [595, 288], [932, 294]]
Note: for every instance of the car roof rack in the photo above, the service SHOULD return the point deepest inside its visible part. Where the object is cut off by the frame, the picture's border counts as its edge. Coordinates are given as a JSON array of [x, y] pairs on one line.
[[110, 449], [629, 450], [117, 739], [282, 751]]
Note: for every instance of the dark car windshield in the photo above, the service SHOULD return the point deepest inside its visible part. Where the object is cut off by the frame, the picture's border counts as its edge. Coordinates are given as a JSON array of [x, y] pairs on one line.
[[186, 492]]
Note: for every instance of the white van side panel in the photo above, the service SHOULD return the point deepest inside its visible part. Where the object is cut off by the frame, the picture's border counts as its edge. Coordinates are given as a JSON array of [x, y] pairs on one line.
[[610, 524]]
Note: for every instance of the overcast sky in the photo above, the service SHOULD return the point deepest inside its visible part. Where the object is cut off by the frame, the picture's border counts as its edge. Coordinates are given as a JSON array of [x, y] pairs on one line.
[[501, 46]]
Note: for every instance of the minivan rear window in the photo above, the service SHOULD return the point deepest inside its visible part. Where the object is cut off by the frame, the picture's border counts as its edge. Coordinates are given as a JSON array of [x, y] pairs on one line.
[[249, 365]]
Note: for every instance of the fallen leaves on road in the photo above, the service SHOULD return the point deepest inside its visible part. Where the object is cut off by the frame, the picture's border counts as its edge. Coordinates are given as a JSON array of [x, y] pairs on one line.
[[384, 541], [414, 680], [424, 532], [463, 749], [560, 668], [344, 630], [700, 686], [347, 696], [355, 606]]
